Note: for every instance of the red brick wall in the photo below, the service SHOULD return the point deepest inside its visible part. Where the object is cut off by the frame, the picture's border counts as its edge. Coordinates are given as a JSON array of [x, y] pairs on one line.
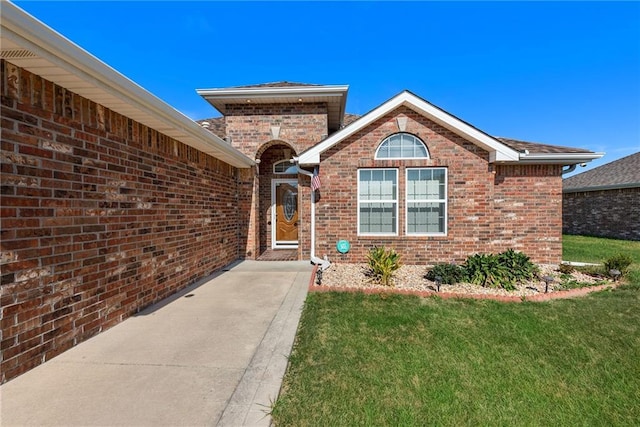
[[489, 208], [605, 213], [301, 125], [101, 217], [528, 211]]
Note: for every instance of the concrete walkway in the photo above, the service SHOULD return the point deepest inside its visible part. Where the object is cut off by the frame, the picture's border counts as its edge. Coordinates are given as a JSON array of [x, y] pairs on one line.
[[214, 354]]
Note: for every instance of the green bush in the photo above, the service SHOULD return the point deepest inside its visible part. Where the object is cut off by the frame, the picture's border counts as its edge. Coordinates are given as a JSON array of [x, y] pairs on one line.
[[518, 266], [620, 262], [383, 263], [486, 270], [505, 269], [450, 274]]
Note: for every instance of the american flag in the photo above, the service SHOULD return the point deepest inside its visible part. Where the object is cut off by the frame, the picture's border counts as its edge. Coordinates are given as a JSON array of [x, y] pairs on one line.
[[315, 179]]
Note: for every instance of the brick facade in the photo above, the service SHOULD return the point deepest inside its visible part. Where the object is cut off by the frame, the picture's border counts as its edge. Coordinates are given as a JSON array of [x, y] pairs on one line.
[[490, 207], [101, 217], [300, 125], [605, 213]]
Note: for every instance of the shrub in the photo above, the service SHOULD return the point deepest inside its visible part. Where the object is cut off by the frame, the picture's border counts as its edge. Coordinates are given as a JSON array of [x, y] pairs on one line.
[[486, 270], [449, 273], [620, 262], [383, 263], [518, 266]]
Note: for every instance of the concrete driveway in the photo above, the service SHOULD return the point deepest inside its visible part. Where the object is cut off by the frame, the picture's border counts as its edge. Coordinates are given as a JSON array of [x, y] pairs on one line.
[[214, 354]]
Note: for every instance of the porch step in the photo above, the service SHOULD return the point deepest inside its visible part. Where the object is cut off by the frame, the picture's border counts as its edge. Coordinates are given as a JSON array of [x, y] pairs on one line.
[[279, 255]]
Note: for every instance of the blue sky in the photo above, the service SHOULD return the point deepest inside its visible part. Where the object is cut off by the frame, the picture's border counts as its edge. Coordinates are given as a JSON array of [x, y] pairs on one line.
[[564, 73]]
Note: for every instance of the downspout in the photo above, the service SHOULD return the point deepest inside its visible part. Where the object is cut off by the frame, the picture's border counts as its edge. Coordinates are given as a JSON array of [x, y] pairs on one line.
[[323, 263]]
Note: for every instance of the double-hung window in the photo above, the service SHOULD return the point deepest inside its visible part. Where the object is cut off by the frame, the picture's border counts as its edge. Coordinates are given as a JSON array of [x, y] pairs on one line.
[[378, 201], [426, 203]]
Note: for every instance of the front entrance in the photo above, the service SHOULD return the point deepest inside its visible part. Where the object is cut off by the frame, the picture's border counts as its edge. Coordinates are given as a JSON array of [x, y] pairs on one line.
[[284, 215]]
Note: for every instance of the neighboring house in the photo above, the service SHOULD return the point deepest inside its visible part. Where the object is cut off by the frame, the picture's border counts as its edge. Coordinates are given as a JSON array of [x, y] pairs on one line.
[[113, 200], [604, 201]]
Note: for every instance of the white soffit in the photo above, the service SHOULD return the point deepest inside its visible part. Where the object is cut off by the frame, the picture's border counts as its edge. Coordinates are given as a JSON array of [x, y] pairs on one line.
[[335, 96], [30, 44]]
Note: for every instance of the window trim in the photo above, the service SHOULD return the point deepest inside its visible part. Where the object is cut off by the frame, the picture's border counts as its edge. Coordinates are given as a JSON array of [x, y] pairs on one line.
[[426, 149], [445, 201], [279, 162], [396, 201]]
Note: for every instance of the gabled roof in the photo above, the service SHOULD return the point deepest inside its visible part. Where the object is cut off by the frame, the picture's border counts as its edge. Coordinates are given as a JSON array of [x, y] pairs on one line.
[[500, 150], [621, 173], [335, 96], [30, 44]]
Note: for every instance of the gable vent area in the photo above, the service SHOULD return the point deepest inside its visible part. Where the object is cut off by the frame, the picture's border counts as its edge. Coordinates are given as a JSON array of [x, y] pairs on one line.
[[9, 54]]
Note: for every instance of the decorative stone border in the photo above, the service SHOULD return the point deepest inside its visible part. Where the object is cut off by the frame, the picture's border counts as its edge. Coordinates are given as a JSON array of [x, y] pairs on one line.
[[570, 293]]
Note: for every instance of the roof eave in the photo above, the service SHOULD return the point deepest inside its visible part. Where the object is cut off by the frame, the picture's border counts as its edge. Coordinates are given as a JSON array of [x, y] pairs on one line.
[[26, 31], [335, 95]]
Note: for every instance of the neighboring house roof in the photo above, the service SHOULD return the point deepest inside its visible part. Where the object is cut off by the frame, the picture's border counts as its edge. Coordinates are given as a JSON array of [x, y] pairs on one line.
[[621, 173], [335, 96], [30, 44], [500, 150]]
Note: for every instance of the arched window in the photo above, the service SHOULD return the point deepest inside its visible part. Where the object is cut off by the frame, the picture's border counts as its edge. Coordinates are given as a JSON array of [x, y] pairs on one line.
[[284, 167], [402, 146]]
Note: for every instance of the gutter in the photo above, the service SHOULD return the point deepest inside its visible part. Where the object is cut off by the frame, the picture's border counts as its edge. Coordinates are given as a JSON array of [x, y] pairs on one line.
[[323, 263], [566, 159]]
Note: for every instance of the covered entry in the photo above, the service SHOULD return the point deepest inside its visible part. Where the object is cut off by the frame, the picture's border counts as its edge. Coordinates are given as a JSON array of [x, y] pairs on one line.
[[279, 200]]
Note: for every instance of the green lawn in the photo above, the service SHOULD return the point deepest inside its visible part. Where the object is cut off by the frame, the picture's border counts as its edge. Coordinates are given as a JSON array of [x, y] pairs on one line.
[[390, 360], [596, 249]]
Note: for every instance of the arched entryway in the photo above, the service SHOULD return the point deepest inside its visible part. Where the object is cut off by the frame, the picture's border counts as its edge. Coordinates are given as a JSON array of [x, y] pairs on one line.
[[278, 199]]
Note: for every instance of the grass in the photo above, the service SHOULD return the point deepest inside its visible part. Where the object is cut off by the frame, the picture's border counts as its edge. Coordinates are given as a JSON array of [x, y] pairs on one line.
[[391, 360], [597, 249]]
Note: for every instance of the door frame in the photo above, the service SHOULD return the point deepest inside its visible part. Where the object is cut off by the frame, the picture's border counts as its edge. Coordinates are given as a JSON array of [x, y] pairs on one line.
[[287, 244]]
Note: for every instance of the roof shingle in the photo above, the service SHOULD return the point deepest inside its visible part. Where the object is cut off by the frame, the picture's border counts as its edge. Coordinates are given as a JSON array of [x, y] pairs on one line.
[[621, 173]]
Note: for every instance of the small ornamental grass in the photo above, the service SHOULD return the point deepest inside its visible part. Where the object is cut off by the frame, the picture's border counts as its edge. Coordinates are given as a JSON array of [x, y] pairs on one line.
[[383, 263]]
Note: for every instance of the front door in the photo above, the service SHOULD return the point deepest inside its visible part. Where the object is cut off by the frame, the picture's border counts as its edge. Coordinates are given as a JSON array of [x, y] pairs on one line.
[[284, 229]]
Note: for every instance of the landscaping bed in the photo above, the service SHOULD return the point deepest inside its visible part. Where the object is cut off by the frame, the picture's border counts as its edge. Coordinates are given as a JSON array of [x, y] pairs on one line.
[[411, 279]]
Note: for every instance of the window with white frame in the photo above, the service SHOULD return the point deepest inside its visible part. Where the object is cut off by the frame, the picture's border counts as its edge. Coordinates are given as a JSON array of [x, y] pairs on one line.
[[426, 203], [378, 201], [284, 167], [402, 146]]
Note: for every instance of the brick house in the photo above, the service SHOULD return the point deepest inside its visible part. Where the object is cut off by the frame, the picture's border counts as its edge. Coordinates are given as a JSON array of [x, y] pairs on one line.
[[604, 201], [112, 200], [406, 175]]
